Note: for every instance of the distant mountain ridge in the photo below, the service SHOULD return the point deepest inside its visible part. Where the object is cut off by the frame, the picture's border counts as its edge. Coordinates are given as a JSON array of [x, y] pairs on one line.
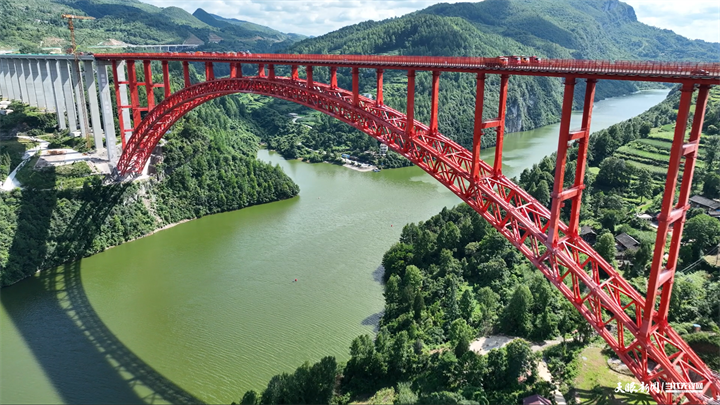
[[589, 29], [37, 24], [586, 29], [250, 25]]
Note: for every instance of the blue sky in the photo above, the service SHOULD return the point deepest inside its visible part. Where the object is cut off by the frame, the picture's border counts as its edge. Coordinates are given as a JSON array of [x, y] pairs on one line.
[[696, 19]]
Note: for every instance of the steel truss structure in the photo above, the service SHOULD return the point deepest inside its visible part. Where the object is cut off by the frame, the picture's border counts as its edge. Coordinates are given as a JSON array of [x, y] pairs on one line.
[[635, 327]]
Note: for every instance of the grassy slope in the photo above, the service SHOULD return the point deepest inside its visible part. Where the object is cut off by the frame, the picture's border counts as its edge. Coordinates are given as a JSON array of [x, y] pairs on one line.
[[596, 382], [653, 153]]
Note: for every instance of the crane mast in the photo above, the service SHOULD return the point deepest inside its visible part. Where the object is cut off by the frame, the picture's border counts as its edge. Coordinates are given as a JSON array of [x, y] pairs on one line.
[[73, 50]]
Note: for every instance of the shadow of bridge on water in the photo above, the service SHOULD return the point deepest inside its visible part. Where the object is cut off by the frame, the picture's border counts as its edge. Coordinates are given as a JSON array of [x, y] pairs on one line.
[[79, 354]]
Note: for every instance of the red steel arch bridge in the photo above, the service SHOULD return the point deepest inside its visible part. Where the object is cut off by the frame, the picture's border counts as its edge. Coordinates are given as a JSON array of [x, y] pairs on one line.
[[634, 325]]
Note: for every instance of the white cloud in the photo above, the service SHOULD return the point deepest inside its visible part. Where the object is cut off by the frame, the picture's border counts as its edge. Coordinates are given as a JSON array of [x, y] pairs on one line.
[[696, 19]]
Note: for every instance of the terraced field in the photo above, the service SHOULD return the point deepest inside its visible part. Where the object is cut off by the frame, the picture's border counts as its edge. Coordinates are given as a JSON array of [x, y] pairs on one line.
[[653, 153]]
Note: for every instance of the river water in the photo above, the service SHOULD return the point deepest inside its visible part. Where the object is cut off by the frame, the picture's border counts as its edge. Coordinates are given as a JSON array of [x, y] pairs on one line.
[[208, 309]]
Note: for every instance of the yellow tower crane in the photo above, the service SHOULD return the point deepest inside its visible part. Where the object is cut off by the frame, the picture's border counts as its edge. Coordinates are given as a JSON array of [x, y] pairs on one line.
[[73, 50], [70, 19]]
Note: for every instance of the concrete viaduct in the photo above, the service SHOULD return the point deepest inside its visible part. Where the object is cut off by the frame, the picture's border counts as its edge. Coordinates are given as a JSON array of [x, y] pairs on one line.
[[77, 90]]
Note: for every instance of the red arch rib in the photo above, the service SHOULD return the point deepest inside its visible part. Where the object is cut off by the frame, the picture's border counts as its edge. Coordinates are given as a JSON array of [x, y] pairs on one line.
[[611, 305]]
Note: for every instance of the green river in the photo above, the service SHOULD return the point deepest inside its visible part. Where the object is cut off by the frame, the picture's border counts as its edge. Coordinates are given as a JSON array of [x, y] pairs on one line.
[[208, 309]]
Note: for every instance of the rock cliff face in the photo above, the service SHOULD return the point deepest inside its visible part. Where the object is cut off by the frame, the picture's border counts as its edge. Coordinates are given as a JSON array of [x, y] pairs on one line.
[[619, 11]]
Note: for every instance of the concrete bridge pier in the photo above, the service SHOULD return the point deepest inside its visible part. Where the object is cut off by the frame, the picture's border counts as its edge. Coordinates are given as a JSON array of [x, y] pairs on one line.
[[14, 81], [91, 92], [52, 66], [77, 90], [38, 85], [107, 111], [81, 109], [5, 85], [26, 82]]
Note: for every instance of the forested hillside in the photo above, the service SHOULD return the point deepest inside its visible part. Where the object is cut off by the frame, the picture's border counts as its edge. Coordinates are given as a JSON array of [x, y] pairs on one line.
[[594, 29], [34, 24]]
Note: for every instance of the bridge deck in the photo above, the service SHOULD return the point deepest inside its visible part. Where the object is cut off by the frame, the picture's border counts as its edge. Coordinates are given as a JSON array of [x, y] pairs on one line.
[[704, 73]]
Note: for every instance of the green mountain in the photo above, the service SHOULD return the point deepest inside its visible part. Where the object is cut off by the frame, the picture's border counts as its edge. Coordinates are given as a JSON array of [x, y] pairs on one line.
[[222, 22], [588, 29], [36, 24], [593, 29]]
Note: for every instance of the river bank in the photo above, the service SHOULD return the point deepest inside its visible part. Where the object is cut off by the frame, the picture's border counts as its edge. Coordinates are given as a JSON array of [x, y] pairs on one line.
[[209, 304]]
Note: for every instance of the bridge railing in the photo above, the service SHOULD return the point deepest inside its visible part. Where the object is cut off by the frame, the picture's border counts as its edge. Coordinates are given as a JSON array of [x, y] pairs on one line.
[[676, 69]]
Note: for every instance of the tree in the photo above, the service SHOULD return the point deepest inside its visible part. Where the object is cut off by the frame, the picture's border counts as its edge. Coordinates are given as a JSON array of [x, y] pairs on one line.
[[645, 129], [250, 398], [468, 306], [460, 332], [704, 232], [520, 360], [711, 185], [413, 278], [542, 192], [643, 186], [418, 306], [605, 246], [712, 152], [610, 219], [405, 395], [641, 258], [497, 369], [449, 237], [614, 173], [518, 313], [396, 259]]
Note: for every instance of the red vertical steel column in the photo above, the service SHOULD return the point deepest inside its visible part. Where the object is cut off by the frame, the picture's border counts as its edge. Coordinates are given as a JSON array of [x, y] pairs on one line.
[[209, 72], [497, 165], [563, 139], [147, 70], [294, 72], [662, 276], [271, 71], [379, 95], [134, 99], [118, 101], [583, 137], [356, 86], [233, 70], [333, 77], [238, 69], [434, 102], [410, 123], [186, 73], [261, 70], [477, 128], [308, 73], [166, 78]]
